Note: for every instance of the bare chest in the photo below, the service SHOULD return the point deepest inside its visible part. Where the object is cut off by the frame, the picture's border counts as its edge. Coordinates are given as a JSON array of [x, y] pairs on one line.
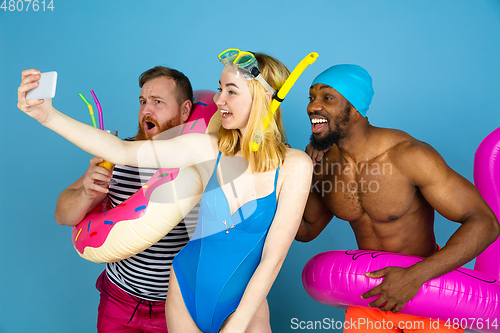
[[239, 184], [352, 191]]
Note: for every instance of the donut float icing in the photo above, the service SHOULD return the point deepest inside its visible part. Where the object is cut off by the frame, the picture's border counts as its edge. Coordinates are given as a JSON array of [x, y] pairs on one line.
[[337, 278], [108, 235]]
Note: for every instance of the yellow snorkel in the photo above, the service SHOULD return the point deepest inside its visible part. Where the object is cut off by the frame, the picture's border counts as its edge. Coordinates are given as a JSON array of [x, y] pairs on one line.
[[281, 94]]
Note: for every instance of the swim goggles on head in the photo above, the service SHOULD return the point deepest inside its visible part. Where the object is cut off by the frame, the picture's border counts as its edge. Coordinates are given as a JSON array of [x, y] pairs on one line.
[[247, 64]]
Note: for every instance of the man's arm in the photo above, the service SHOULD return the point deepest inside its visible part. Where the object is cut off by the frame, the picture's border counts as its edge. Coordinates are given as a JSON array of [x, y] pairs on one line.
[[316, 215], [83, 195], [454, 198]]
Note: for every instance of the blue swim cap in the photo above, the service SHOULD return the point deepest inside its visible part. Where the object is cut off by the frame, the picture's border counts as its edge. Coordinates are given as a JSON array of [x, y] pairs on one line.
[[351, 81]]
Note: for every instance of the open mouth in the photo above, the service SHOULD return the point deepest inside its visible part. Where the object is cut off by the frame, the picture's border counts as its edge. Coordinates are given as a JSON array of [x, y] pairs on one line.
[[318, 124], [226, 114], [149, 123]]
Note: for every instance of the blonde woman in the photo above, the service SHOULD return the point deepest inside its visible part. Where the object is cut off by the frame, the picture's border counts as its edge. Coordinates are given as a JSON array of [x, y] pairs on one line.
[[251, 207]]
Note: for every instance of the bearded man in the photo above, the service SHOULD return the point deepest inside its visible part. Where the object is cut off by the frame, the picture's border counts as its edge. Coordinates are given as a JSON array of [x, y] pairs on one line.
[[388, 185], [133, 290]]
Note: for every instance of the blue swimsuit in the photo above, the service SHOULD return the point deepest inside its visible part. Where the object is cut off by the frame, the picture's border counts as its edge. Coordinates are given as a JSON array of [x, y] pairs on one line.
[[214, 268]]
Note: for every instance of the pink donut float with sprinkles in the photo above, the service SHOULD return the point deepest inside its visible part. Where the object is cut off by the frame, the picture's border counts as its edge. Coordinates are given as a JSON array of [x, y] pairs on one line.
[[110, 234], [464, 297]]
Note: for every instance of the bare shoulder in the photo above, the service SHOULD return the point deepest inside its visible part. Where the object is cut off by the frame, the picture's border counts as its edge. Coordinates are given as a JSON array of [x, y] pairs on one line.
[[402, 146], [295, 175], [295, 158], [297, 164], [416, 151], [417, 159]]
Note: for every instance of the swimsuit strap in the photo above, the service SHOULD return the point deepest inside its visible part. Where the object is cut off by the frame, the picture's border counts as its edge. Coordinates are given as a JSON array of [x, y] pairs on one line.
[[213, 178], [276, 178], [218, 158]]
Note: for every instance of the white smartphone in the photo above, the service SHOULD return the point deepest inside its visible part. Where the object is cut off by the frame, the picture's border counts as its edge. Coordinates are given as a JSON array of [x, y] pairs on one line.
[[46, 88]]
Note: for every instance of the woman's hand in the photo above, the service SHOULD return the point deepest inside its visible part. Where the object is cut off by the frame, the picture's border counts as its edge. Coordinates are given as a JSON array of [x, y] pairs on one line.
[[38, 109]]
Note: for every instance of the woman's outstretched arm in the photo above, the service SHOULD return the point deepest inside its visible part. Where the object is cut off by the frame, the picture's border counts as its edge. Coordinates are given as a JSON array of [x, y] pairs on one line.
[[297, 173], [178, 152]]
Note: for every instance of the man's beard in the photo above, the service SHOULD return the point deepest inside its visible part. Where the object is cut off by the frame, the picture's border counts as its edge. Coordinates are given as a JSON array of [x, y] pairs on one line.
[[326, 142], [333, 137], [169, 125]]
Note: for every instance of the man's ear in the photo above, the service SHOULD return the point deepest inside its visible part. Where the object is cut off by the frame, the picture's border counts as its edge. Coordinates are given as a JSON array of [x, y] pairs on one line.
[[186, 110]]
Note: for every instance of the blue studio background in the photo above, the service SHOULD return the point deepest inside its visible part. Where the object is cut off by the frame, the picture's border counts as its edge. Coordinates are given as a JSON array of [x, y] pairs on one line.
[[435, 67]]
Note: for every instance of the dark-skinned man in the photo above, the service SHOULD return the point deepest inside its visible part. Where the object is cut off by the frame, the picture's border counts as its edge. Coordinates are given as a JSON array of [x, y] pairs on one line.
[[387, 184]]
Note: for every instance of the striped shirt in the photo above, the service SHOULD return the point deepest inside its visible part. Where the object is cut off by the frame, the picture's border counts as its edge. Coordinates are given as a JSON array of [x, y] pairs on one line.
[[146, 274]]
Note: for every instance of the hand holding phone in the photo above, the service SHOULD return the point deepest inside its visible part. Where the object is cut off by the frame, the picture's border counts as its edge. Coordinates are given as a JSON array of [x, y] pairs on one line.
[[46, 88], [39, 105]]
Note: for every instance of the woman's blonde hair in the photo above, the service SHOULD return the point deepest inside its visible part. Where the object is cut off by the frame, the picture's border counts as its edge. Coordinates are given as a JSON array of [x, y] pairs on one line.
[[271, 152]]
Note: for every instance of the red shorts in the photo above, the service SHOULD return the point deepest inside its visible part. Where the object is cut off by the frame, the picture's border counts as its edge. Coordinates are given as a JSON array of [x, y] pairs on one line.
[[121, 312], [358, 319]]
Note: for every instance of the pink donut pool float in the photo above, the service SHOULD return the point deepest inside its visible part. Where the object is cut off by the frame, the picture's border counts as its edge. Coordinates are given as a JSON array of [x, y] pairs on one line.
[[107, 235], [469, 297]]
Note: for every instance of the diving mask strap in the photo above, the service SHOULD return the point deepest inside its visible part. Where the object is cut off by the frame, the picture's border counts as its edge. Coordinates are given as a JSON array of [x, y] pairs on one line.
[[256, 74], [265, 85]]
